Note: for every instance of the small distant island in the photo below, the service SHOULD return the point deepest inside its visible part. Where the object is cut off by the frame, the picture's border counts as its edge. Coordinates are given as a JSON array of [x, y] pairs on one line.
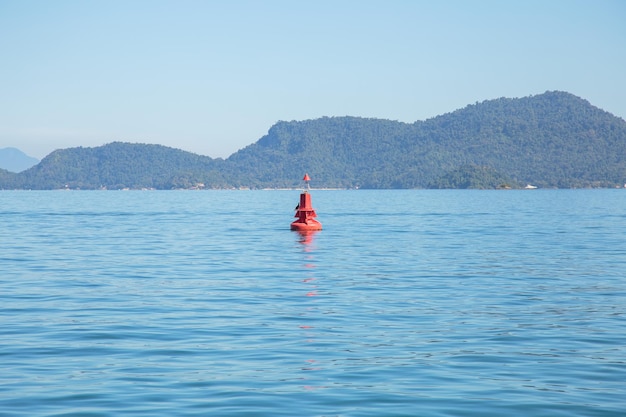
[[549, 140]]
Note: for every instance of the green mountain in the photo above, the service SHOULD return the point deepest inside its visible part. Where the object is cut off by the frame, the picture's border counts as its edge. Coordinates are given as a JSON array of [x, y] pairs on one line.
[[118, 165], [553, 139]]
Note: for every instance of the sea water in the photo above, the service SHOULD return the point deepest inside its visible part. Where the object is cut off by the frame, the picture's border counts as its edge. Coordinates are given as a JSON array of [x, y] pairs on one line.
[[408, 303]]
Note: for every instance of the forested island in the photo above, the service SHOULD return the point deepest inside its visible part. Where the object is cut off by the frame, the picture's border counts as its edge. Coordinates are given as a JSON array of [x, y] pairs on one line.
[[550, 140]]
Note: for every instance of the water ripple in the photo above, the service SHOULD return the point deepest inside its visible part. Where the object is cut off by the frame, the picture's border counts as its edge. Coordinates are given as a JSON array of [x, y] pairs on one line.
[[418, 303]]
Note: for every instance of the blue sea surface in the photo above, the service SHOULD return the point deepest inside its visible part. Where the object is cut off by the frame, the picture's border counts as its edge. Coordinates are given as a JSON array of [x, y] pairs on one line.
[[408, 303]]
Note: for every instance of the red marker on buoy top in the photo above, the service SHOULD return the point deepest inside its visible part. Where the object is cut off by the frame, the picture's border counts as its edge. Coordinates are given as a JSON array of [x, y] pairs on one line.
[[304, 212]]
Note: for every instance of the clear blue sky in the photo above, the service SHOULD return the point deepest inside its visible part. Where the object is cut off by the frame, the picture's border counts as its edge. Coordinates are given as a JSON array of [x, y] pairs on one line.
[[212, 77]]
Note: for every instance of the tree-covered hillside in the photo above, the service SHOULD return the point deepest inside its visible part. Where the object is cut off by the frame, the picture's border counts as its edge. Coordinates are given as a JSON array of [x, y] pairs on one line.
[[338, 151], [120, 165], [553, 139]]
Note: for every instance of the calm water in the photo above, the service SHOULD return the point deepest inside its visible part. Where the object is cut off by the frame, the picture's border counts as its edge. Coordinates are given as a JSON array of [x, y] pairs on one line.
[[408, 303]]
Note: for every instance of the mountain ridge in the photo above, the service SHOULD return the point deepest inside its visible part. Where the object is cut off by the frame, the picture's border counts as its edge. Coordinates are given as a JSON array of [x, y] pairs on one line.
[[553, 139]]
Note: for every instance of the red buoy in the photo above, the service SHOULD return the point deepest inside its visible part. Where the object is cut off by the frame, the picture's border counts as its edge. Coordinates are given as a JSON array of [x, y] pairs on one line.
[[305, 213]]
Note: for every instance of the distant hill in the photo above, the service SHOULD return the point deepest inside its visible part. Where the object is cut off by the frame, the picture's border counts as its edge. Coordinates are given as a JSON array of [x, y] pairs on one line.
[[14, 160], [552, 140], [119, 165]]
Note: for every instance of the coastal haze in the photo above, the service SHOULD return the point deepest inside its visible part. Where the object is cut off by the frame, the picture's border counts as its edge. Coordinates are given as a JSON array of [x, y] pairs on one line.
[[14, 160]]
